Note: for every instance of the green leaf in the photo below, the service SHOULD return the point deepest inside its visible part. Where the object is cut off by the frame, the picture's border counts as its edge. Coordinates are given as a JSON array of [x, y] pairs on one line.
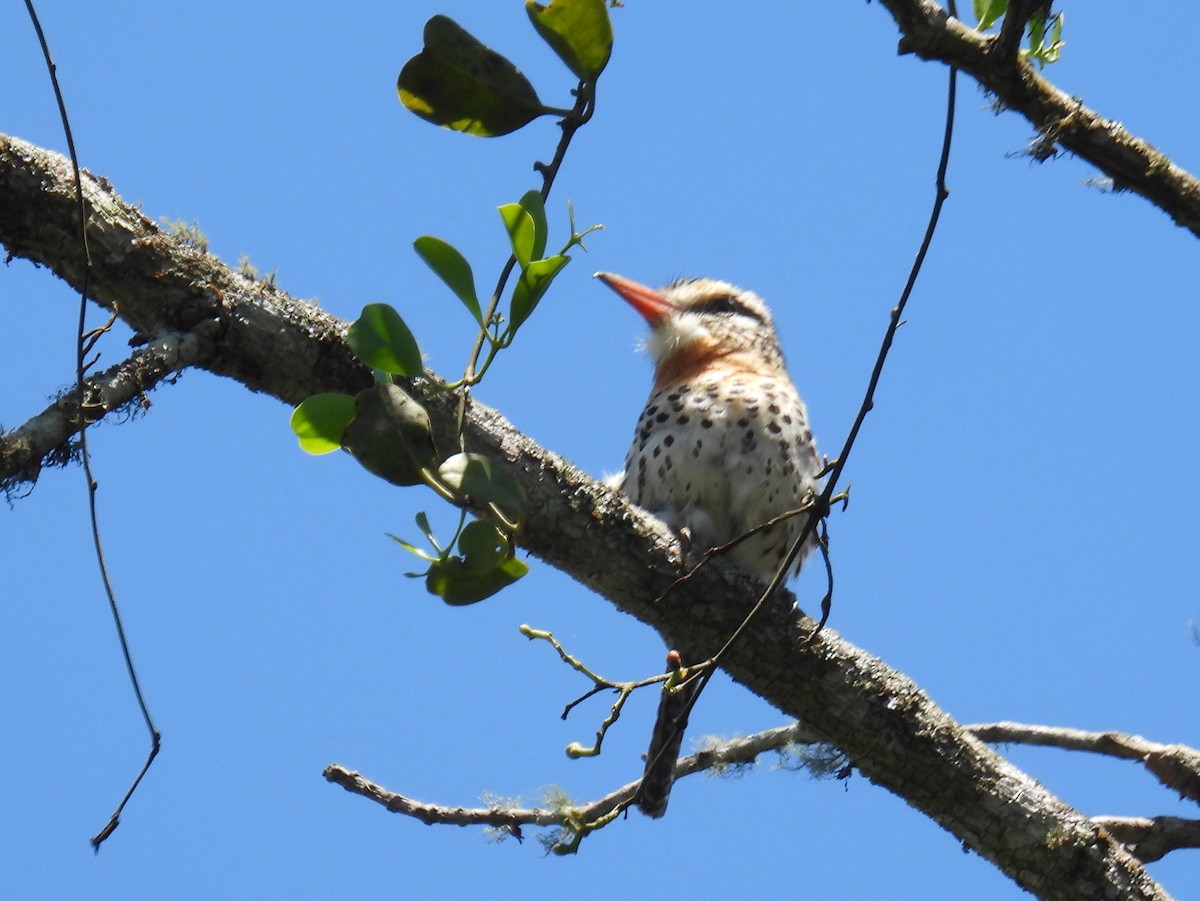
[[452, 268], [319, 422], [482, 478], [579, 31], [525, 222], [988, 11], [521, 232], [531, 286], [483, 545], [380, 339], [1041, 51], [458, 584], [1056, 41], [531, 201], [458, 83], [422, 519], [391, 435], [415, 551]]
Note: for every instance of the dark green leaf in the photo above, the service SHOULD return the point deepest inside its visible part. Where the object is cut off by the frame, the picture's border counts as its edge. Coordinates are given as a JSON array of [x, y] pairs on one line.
[[458, 83], [531, 286], [390, 435], [319, 421], [482, 545], [579, 31], [458, 585], [482, 478], [452, 268], [380, 339]]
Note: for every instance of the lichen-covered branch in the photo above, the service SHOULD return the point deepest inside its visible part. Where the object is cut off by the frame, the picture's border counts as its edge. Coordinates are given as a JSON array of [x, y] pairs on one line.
[[1060, 119], [49, 437], [1175, 766], [1152, 838], [502, 816]]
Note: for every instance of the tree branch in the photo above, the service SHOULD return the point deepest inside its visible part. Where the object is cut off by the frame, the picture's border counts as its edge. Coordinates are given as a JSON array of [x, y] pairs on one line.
[[1148, 838], [1176, 766], [1154, 838], [891, 731], [732, 753], [1132, 164], [1007, 44], [48, 438]]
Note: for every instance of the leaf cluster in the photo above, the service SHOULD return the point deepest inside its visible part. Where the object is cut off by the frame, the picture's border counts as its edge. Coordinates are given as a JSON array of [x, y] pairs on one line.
[[1045, 29], [389, 433], [459, 83]]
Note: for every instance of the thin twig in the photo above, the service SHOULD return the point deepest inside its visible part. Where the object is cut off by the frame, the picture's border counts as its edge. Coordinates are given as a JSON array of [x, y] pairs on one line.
[[600, 683], [722, 549]]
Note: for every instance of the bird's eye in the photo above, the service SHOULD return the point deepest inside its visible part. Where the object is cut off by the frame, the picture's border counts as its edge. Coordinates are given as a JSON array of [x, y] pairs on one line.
[[723, 303]]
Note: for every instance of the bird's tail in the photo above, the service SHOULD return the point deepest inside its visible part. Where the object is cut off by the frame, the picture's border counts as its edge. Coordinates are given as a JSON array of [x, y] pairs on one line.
[[665, 742]]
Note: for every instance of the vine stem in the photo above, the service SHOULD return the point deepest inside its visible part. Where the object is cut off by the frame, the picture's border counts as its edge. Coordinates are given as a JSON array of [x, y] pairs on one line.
[[84, 342], [575, 118], [821, 506]]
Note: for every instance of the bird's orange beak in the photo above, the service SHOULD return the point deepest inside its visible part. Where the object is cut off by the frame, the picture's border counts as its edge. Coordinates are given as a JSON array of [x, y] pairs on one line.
[[649, 303]]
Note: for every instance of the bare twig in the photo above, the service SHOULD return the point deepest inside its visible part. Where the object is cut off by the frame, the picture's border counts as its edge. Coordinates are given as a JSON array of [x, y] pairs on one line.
[[569, 816], [623, 690]]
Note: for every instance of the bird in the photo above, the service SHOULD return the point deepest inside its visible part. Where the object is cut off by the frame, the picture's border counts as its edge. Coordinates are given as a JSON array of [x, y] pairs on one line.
[[722, 445]]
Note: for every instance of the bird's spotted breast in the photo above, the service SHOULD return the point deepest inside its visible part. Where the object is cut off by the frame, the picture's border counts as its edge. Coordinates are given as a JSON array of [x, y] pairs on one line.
[[722, 453]]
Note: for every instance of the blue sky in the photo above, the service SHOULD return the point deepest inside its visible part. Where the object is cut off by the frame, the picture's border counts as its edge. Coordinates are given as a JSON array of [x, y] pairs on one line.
[[1022, 537]]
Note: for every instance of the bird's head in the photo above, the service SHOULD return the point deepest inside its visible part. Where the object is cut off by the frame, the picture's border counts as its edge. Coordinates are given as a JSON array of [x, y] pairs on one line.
[[704, 321]]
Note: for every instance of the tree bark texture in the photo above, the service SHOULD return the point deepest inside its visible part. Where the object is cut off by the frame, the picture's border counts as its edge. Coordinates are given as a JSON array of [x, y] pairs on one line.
[[1061, 120]]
